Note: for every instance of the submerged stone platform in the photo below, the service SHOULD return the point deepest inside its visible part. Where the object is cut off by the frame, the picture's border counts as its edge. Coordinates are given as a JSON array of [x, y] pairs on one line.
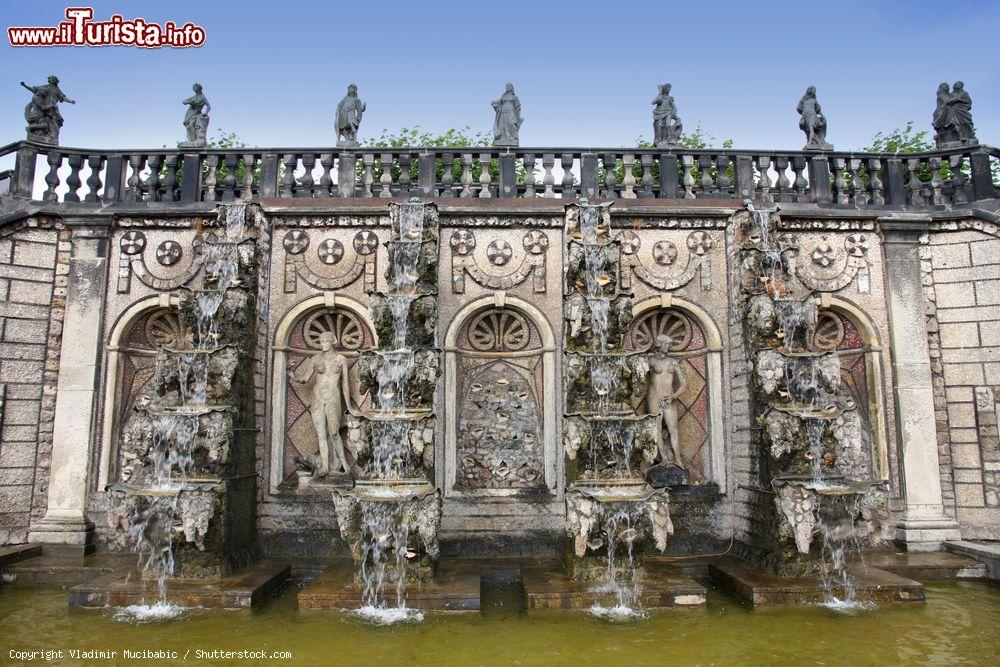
[[242, 590], [456, 587], [760, 588], [55, 566], [547, 586]]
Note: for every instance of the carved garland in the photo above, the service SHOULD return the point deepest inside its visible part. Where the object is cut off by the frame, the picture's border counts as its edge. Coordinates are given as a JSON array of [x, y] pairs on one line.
[[330, 252], [132, 260], [665, 253], [499, 253]]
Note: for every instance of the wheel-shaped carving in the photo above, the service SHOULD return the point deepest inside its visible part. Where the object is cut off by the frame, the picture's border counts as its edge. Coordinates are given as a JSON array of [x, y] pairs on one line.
[[658, 322], [856, 245], [499, 252], [630, 242], [365, 242], [664, 253], [165, 329], [823, 254], [345, 325], [462, 242], [330, 251], [499, 330], [699, 242], [535, 242], [132, 242], [169, 253], [829, 331], [296, 241]]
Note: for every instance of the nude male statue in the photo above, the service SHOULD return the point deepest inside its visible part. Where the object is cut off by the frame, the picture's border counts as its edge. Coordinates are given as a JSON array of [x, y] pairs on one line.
[[666, 384], [328, 394]]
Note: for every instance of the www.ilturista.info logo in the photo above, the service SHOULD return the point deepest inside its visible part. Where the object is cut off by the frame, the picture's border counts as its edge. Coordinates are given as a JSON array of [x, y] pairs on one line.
[[80, 30]]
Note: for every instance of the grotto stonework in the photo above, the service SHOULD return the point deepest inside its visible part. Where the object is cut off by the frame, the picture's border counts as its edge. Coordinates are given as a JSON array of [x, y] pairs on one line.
[[402, 357]]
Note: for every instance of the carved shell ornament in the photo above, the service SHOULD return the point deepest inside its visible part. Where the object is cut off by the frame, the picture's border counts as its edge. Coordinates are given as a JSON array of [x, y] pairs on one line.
[[132, 242], [164, 329], [659, 322], [462, 242], [365, 242], [498, 252], [829, 331], [345, 325], [296, 241], [330, 251], [499, 330], [169, 253]]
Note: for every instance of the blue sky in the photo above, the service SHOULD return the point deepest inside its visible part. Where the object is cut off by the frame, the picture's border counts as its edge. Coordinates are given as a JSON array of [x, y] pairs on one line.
[[585, 71]]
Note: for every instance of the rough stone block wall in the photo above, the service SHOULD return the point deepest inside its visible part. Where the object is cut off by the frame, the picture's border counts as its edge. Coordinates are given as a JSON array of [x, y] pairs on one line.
[[962, 283], [34, 263]]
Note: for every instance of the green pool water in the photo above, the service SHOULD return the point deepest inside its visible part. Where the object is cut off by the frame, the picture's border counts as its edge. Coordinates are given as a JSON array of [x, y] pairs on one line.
[[960, 624]]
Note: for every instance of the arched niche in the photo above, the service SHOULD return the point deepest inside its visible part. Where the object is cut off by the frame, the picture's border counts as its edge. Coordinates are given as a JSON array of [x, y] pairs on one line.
[[130, 360], [295, 339], [844, 327], [698, 348], [500, 401]]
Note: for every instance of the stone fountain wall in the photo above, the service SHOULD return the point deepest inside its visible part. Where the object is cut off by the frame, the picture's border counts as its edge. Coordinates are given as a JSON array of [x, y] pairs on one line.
[[325, 263]]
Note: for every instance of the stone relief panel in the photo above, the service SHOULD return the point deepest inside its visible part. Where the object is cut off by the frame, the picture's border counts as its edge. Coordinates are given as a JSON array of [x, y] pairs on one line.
[[669, 259], [827, 263], [160, 260], [323, 261], [499, 400], [498, 259], [298, 435], [690, 349]]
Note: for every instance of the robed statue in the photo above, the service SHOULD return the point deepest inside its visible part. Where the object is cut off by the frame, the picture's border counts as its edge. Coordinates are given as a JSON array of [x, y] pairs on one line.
[[349, 112], [812, 122], [327, 395], [952, 120], [667, 126], [196, 119], [507, 123], [42, 112]]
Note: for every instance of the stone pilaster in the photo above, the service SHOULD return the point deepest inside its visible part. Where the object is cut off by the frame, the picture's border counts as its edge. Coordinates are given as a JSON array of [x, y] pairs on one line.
[[923, 525], [64, 521]]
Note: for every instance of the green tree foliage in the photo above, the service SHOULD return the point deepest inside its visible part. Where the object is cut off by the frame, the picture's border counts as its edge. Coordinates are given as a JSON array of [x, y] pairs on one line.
[[416, 137], [900, 140]]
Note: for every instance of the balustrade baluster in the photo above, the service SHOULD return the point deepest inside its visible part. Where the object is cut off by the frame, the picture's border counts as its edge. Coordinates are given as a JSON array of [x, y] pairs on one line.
[[96, 163], [152, 186], [725, 182], [385, 180], [937, 185], [367, 175], [610, 180], [229, 180], [800, 183], [249, 163], [326, 179], [54, 158], [73, 181], [466, 177], [858, 189], [528, 164], [628, 176], [484, 175], [916, 186], [290, 163], [405, 181], [568, 188], [307, 182], [840, 181], [211, 177], [958, 181], [764, 184], [646, 160], [548, 180], [783, 185], [707, 188], [876, 195], [447, 176], [169, 184], [133, 192], [687, 164]]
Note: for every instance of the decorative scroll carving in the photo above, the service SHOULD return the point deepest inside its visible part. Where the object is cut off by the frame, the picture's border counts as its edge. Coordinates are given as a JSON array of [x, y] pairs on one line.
[[829, 269], [132, 260], [666, 253], [330, 252], [499, 253]]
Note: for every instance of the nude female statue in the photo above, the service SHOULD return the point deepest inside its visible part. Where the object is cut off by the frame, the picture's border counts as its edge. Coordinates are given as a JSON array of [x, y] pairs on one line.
[[328, 393], [666, 384]]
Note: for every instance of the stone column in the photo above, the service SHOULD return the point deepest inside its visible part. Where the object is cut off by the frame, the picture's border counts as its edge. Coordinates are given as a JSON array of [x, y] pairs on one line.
[[923, 526], [76, 393]]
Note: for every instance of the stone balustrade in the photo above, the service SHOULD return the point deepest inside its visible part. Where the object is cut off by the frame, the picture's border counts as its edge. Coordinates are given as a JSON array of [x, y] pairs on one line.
[[935, 178]]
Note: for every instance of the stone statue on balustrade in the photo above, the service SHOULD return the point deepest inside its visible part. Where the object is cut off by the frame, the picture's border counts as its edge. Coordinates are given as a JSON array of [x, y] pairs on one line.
[[667, 126], [196, 119], [42, 112], [952, 120], [812, 122], [666, 384], [327, 386], [349, 113], [507, 123]]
